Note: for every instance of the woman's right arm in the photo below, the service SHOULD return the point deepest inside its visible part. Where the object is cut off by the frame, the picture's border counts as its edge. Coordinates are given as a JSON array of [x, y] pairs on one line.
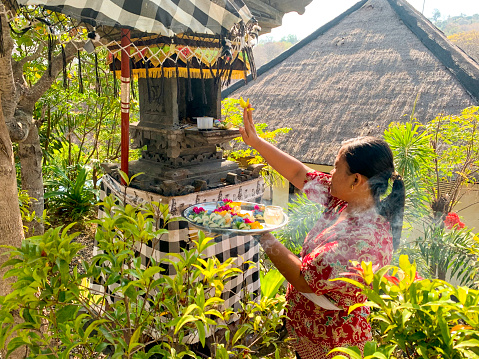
[[289, 167]]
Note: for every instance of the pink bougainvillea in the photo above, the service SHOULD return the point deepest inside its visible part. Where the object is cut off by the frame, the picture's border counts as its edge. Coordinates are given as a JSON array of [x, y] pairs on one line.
[[453, 221]]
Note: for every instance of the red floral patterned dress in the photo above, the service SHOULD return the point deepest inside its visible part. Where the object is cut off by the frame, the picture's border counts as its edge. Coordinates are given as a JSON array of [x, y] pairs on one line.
[[326, 253]]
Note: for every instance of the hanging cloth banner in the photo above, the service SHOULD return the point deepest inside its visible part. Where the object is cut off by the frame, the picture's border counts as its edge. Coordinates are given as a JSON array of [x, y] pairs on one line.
[[163, 17], [213, 34], [163, 61]]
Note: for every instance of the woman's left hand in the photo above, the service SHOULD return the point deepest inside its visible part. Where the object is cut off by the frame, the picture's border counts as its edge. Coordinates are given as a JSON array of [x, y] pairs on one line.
[[248, 132]]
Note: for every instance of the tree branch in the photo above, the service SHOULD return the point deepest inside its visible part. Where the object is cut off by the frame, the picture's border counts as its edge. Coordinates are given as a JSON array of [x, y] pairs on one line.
[[22, 119], [38, 52], [44, 83]]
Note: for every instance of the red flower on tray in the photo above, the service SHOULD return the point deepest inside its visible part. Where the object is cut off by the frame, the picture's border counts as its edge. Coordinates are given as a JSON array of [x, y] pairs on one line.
[[198, 210], [453, 221]]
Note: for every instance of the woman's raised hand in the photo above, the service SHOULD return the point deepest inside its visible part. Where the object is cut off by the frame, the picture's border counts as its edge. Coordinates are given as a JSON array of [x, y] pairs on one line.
[[289, 167], [248, 132]]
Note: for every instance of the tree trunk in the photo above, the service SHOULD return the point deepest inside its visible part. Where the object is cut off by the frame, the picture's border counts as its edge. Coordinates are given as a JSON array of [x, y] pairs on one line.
[[11, 228], [441, 273], [30, 154]]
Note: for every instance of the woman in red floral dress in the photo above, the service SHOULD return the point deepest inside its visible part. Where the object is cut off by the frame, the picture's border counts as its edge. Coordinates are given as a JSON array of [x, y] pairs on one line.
[[356, 225]]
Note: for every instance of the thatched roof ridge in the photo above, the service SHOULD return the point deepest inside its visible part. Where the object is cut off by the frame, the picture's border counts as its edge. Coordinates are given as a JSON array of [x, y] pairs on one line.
[[356, 75], [457, 61], [300, 44]]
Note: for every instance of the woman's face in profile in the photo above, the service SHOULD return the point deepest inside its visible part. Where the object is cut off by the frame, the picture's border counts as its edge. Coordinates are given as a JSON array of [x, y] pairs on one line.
[[341, 179]]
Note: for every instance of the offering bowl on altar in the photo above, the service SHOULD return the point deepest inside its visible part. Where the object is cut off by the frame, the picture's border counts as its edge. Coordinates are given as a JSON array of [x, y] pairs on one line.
[[204, 123]]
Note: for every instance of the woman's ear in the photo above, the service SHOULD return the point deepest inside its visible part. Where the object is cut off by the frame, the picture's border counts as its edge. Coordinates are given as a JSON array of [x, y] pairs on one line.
[[357, 179]]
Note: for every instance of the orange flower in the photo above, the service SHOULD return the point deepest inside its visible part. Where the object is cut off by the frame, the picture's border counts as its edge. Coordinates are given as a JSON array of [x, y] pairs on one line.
[[256, 225]]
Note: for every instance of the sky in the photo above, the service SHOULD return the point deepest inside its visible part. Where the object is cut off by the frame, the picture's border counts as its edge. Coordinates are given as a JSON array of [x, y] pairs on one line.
[[320, 12]]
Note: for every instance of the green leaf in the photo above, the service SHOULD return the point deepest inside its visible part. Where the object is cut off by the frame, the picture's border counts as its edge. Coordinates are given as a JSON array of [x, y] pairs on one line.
[[271, 282], [369, 348], [354, 353], [124, 177], [113, 279], [67, 313], [28, 317], [239, 333], [151, 271], [468, 344], [95, 324], [184, 320], [79, 321], [134, 340], [200, 326]]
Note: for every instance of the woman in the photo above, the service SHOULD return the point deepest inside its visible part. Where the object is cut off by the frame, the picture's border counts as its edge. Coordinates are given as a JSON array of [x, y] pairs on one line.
[[356, 225]]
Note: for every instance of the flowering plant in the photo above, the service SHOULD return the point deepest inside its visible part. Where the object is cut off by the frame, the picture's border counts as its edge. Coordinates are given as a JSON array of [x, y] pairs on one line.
[[414, 317], [452, 221]]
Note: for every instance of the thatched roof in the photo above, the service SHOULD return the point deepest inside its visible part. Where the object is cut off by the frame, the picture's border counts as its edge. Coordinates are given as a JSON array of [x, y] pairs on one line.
[[357, 74]]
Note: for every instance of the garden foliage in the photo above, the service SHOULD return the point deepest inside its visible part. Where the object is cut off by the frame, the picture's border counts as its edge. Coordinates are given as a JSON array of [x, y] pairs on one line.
[[147, 314], [415, 317], [436, 160], [70, 194]]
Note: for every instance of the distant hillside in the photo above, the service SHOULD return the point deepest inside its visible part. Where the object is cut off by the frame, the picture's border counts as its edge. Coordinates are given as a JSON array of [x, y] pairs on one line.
[[457, 24], [268, 49], [463, 31], [468, 41]]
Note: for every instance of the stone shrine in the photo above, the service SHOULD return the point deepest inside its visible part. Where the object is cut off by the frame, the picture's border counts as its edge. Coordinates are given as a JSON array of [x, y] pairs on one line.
[[180, 159]]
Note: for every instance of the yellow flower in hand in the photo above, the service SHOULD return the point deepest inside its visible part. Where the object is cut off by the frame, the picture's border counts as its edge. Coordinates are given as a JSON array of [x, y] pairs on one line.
[[245, 104]]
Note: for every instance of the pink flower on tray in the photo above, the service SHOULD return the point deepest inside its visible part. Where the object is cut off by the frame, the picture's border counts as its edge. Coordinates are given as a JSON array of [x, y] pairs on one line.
[[198, 210], [247, 220], [223, 208]]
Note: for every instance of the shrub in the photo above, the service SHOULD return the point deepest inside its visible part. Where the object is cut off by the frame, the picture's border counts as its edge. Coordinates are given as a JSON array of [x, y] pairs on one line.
[[417, 318], [70, 194], [61, 315]]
